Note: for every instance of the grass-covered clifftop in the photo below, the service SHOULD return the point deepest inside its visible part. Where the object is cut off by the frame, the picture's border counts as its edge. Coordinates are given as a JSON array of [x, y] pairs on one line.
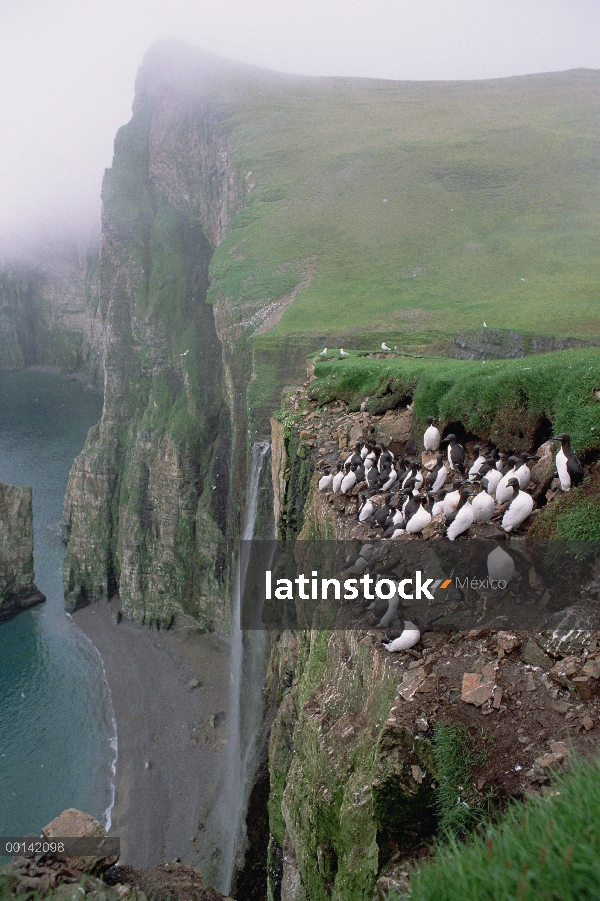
[[490, 400], [371, 209], [414, 210]]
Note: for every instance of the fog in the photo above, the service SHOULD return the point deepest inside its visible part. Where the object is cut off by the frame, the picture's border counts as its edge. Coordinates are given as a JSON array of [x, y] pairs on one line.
[[68, 69]]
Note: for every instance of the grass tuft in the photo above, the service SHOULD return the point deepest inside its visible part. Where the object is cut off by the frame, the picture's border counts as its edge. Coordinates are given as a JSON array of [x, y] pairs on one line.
[[545, 850], [505, 401], [455, 760]]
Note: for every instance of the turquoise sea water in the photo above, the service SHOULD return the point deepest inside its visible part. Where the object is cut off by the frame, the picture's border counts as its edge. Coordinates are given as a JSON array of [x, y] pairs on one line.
[[57, 741]]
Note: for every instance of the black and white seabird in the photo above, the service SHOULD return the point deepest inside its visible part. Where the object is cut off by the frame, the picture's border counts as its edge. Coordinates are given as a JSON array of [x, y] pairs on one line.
[[570, 470], [519, 508], [456, 454], [431, 438]]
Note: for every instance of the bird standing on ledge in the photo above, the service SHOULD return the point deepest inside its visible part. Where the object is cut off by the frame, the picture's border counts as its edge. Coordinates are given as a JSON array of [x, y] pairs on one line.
[[431, 438], [570, 470]]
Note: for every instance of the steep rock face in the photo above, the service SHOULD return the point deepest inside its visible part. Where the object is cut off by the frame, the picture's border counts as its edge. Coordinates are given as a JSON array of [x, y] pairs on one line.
[[48, 309], [342, 770], [156, 471], [490, 343], [17, 588]]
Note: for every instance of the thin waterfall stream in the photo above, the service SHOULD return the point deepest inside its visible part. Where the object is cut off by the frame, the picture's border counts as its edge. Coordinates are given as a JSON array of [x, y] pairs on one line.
[[248, 666]]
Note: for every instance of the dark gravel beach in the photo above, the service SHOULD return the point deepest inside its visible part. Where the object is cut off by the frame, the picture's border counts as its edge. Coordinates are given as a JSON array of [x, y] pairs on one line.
[[171, 732]]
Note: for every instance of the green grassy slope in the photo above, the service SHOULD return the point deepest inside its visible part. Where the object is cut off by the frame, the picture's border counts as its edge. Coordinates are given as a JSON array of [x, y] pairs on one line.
[[424, 208], [545, 850]]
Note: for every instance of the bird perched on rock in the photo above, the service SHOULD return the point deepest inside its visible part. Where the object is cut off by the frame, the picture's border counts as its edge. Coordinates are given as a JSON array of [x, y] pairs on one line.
[[438, 506], [490, 477], [519, 508], [414, 472], [431, 438], [393, 603], [356, 457], [452, 498], [523, 472], [367, 507], [503, 490], [499, 459], [419, 519], [349, 479], [357, 563], [463, 516], [386, 454], [408, 639], [478, 463], [570, 470], [338, 478], [500, 565], [326, 480], [439, 474], [483, 506], [456, 454], [392, 479], [381, 514]]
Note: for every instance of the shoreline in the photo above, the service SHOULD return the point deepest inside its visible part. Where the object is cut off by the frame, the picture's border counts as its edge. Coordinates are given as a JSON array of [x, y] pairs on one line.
[[169, 735]]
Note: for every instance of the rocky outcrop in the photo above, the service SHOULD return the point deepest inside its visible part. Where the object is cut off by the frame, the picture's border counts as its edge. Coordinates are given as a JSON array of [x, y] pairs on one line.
[[66, 876], [17, 588], [48, 309], [495, 343]]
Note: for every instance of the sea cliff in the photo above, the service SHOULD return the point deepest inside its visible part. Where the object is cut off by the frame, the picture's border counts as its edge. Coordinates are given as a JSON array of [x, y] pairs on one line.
[[156, 470], [17, 587]]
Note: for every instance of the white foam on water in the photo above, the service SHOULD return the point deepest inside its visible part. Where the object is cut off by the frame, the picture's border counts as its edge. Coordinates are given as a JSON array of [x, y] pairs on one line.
[[113, 740]]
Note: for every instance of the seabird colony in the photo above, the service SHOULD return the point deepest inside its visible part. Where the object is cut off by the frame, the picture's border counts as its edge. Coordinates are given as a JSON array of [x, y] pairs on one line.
[[452, 488]]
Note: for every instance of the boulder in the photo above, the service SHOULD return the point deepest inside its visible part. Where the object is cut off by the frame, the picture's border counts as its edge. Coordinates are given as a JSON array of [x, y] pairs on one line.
[[477, 688], [435, 527], [508, 641], [73, 823], [563, 672], [534, 656]]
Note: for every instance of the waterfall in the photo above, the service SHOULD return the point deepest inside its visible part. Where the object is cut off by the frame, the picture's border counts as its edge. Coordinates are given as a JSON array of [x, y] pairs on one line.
[[248, 664]]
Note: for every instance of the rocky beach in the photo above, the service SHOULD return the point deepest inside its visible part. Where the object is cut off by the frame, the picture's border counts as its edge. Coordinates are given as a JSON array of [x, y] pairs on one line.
[[169, 692]]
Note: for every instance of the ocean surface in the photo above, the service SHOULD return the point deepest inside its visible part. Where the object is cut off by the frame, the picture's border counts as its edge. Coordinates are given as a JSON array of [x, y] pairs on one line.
[[57, 735]]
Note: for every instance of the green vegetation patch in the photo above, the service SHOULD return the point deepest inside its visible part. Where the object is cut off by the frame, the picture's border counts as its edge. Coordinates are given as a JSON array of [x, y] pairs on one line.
[[427, 207], [455, 759], [574, 516], [505, 401], [544, 850]]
